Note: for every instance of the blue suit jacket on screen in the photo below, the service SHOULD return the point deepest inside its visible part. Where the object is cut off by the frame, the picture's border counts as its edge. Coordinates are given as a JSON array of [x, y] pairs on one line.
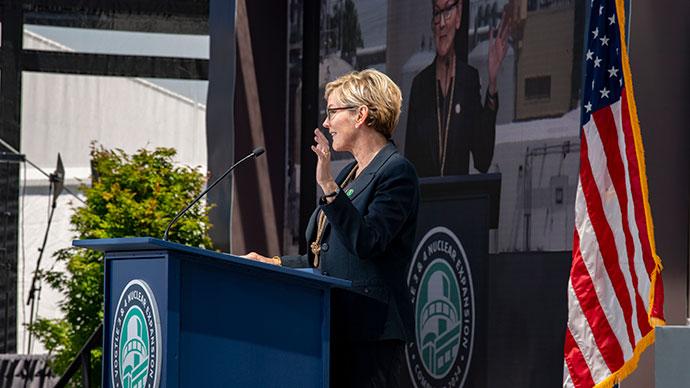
[[369, 239]]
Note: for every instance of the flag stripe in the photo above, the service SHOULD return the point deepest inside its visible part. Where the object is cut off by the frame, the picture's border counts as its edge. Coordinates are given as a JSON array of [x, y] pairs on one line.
[[633, 130], [644, 281], [586, 300], [656, 310], [600, 159], [635, 188], [580, 377], [605, 237], [585, 245], [567, 380], [606, 126]]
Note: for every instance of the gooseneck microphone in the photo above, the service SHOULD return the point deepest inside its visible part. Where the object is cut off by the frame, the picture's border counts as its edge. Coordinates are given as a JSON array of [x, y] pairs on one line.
[[254, 154]]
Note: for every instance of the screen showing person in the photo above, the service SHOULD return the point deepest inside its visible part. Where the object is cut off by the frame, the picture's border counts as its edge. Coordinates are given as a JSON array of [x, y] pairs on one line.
[[447, 120]]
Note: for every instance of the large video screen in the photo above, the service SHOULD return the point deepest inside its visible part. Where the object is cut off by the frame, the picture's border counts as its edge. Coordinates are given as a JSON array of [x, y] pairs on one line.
[[489, 86]]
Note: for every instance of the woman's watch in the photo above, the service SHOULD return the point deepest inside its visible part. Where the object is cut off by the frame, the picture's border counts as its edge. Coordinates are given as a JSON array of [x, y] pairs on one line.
[[491, 99], [324, 198]]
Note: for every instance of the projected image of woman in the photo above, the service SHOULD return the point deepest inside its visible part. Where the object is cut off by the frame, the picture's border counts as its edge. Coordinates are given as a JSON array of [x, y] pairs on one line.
[[446, 118]]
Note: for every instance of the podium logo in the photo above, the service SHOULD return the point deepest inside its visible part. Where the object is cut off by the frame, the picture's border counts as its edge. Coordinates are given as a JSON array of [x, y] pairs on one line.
[[135, 345], [440, 285]]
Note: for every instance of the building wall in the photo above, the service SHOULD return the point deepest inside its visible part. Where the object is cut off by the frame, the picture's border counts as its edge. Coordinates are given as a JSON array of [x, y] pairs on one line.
[[65, 114], [546, 51]]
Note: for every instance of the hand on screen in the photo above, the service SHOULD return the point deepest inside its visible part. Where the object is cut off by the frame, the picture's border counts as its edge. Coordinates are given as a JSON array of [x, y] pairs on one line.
[[498, 46]]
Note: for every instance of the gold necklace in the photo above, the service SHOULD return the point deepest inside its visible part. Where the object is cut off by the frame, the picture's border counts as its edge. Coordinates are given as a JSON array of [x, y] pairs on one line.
[[443, 137], [321, 225]]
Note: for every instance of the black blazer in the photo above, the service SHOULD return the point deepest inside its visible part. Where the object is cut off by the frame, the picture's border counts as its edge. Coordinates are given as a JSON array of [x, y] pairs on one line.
[[472, 125], [369, 239]]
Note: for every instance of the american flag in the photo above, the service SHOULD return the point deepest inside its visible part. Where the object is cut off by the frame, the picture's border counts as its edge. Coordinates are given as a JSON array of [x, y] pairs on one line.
[[615, 293]]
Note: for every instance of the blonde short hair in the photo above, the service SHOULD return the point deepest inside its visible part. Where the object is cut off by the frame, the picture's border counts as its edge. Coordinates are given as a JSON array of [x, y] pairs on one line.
[[375, 90]]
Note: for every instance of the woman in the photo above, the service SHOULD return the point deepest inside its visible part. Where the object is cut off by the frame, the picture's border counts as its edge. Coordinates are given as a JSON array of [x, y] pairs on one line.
[[364, 228], [446, 119]]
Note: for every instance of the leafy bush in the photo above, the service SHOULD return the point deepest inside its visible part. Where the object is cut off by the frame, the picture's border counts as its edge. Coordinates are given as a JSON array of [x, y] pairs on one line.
[[129, 196]]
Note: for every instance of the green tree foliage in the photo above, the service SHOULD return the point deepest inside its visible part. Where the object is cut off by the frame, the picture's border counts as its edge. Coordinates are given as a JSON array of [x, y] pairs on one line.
[[129, 196]]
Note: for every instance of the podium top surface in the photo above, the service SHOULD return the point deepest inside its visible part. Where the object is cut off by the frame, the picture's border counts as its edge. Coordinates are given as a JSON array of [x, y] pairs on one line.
[[138, 244]]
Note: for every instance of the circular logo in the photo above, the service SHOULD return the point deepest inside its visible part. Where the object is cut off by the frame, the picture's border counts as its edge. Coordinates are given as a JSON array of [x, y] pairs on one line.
[[440, 286], [135, 347]]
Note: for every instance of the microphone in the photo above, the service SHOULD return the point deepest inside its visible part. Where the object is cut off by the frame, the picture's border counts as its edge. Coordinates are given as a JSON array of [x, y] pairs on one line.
[[258, 151]]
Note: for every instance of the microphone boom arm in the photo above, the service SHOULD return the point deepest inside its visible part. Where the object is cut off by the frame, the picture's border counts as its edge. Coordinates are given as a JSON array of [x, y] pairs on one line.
[[257, 151]]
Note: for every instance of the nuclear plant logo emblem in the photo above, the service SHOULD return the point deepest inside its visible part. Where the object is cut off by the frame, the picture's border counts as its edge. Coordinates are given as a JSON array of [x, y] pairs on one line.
[[135, 345], [441, 291]]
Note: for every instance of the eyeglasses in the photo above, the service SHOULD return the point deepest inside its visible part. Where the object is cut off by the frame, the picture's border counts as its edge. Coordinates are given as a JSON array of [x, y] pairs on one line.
[[445, 12], [330, 112]]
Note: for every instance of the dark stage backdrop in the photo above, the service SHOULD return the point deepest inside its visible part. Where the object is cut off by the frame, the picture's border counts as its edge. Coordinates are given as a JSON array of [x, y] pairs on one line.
[[527, 317]]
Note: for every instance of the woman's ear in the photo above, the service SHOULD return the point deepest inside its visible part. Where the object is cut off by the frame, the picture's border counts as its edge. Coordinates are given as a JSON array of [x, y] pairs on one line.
[[362, 115]]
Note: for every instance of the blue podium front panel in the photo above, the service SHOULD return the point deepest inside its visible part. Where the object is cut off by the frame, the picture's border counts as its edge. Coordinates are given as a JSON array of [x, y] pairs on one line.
[[242, 329], [125, 360]]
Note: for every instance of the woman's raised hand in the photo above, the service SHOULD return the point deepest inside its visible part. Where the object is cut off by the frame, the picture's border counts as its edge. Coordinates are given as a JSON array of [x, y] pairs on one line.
[[323, 165]]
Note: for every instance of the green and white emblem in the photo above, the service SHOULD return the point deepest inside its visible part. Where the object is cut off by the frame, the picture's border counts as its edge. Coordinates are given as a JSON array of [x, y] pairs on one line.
[[135, 354], [437, 314], [440, 285]]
